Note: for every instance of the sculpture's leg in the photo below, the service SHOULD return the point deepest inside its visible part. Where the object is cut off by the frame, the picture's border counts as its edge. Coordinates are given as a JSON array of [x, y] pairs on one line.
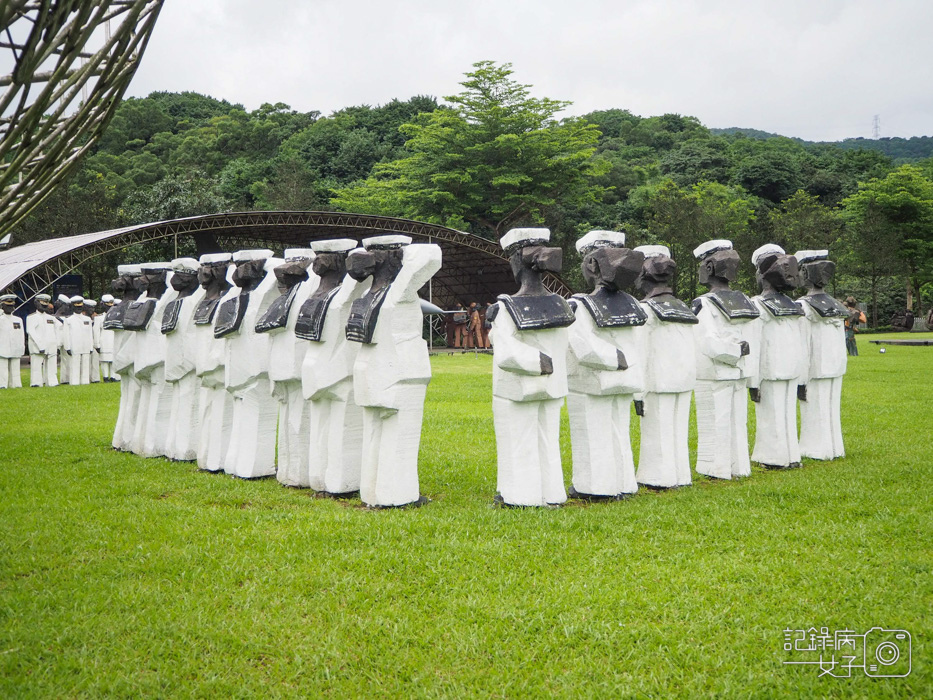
[[320, 412], [216, 428], [36, 370], [815, 431], [372, 438], [657, 459], [552, 477], [293, 422], [681, 437], [254, 430], [140, 419], [346, 447], [598, 441], [395, 481], [51, 369], [714, 427], [741, 464], [4, 373], [95, 367], [65, 363], [835, 408], [105, 370], [518, 452]]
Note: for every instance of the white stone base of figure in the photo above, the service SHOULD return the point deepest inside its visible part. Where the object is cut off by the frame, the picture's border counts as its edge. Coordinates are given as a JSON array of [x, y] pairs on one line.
[[664, 455], [94, 367], [334, 461], [528, 452], [391, 438], [138, 440], [106, 370], [64, 364], [251, 453], [603, 464], [158, 414], [294, 438], [79, 368], [9, 373], [43, 370], [126, 417], [215, 413], [184, 427], [820, 422], [776, 425], [722, 428]]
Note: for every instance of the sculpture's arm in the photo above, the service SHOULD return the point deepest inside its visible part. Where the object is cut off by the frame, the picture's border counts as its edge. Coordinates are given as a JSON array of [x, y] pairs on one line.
[[511, 354], [712, 343], [590, 349], [420, 262]]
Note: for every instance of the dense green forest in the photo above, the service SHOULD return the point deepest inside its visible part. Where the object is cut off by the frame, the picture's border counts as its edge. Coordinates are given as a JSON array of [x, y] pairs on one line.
[[494, 156]]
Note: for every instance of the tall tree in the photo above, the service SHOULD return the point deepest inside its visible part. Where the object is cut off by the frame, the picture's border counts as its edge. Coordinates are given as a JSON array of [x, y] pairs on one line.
[[498, 157]]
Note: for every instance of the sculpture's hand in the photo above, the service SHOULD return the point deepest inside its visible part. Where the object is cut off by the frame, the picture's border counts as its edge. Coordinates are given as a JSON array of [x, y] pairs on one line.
[[68, 351], [801, 392], [754, 394], [639, 408], [547, 364], [744, 348], [620, 356]]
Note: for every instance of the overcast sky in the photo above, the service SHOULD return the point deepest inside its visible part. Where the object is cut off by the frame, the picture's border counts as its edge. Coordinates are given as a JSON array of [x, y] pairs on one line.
[[816, 69]]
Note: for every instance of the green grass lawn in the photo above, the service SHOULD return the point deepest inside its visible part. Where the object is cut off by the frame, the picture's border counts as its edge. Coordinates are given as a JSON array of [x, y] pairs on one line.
[[133, 577]]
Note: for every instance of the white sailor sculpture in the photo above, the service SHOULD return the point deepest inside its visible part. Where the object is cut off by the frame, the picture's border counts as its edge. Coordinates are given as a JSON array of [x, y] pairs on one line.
[[215, 410], [670, 375], [604, 368], [62, 310], [529, 376], [392, 369], [774, 387], [183, 429], [820, 421], [42, 332], [128, 286], [251, 451], [12, 343], [285, 358], [78, 341], [106, 339], [727, 350], [90, 310], [335, 421]]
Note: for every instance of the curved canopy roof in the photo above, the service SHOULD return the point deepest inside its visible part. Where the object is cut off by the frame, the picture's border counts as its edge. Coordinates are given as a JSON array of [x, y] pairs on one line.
[[473, 268]]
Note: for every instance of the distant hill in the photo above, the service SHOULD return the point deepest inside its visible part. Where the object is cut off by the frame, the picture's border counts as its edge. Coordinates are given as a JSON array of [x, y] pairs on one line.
[[901, 150]]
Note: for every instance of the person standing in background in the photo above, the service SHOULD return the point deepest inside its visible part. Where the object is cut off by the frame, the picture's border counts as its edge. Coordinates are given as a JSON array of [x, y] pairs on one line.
[[851, 324]]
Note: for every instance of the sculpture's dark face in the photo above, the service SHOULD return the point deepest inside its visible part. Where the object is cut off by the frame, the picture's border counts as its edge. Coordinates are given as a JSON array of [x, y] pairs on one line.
[[248, 272], [613, 268], [141, 283], [361, 265], [327, 263], [289, 274], [7, 308], [184, 280], [723, 264], [783, 273], [41, 305], [206, 274], [819, 273]]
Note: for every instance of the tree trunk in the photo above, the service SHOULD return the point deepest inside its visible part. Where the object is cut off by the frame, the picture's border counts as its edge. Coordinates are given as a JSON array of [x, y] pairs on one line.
[[874, 301]]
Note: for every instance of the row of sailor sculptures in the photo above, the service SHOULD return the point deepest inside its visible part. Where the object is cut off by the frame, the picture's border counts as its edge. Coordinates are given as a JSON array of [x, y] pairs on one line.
[[218, 356], [605, 350], [68, 334]]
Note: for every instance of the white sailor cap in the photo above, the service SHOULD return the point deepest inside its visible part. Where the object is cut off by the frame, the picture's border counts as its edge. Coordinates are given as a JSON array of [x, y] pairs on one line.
[[292, 254], [356, 251], [44, 297], [652, 251], [107, 299], [334, 245], [805, 256], [150, 267], [90, 302], [189, 265], [765, 250], [129, 270], [8, 299], [600, 239], [63, 299], [385, 242], [215, 258], [242, 256], [77, 299], [521, 237], [704, 250]]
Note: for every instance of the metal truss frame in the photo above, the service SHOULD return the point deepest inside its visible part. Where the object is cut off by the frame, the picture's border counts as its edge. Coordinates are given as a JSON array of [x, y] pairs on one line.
[[474, 268], [73, 61]]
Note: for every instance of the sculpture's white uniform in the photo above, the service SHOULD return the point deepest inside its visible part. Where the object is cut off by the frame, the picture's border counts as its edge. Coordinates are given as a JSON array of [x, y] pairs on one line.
[[124, 350], [155, 398], [336, 422], [781, 368], [390, 379], [63, 362], [727, 320], [601, 393], [181, 441], [106, 341], [42, 332], [251, 452], [670, 376], [12, 344], [215, 410], [824, 334], [78, 341], [285, 359], [525, 401], [96, 322]]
